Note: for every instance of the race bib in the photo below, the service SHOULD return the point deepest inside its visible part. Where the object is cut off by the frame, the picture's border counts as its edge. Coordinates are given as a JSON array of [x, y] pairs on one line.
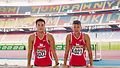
[[77, 50], [41, 53]]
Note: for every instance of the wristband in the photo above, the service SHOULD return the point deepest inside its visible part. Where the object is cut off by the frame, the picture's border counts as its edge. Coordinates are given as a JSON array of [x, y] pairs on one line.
[[57, 64]]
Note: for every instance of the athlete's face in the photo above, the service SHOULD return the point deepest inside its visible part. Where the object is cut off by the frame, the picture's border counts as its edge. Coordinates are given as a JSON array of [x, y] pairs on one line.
[[40, 26], [76, 28]]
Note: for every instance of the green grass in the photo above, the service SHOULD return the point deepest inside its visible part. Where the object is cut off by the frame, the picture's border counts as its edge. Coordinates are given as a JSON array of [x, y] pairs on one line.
[[108, 45]]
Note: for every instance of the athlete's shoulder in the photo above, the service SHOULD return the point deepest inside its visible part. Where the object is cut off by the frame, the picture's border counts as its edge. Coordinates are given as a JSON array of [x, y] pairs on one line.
[[32, 36], [49, 34], [86, 35], [68, 35]]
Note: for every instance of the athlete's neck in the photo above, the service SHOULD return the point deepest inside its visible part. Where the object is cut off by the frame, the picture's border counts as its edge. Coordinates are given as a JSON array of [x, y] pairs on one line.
[[40, 35], [42, 32], [77, 34]]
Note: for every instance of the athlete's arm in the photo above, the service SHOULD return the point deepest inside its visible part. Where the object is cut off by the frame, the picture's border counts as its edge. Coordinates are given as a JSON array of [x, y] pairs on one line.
[[52, 45], [30, 48], [88, 45], [67, 48]]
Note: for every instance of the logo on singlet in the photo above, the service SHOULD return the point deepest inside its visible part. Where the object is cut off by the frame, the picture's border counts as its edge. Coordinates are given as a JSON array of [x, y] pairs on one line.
[[41, 45], [41, 51], [77, 50]]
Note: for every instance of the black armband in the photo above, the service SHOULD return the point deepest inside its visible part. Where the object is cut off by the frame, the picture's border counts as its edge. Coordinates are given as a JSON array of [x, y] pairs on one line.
[[57, 64]]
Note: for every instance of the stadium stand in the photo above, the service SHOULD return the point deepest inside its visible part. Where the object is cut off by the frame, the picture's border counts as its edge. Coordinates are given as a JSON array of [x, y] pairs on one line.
[[63, 20]]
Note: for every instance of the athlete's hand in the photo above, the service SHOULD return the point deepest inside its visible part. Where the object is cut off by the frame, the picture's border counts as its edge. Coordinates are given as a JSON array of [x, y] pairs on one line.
[[30, 66], [65, 66], [90, 67], [55, 66]]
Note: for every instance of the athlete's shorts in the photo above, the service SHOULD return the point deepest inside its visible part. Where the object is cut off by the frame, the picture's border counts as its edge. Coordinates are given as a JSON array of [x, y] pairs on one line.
[[42, 67]]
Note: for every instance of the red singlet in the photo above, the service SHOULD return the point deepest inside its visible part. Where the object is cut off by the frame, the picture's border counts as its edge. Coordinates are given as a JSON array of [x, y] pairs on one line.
[[77, 50], [42, 51]]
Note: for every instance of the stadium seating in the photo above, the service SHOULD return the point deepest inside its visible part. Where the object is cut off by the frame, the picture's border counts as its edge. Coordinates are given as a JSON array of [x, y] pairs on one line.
[[61, 20]]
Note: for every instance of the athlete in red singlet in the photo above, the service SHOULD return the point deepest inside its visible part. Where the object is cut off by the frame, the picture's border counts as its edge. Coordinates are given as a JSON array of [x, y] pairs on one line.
[[77, 50], [42, 51], [76, 43], [43, 45]]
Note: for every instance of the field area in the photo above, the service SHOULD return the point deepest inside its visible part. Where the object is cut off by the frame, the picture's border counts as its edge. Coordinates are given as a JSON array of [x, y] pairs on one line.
[[108, 45]]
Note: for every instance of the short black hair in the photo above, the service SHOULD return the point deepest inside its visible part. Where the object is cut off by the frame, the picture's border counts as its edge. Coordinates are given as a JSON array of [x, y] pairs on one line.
[[77, 22], [40, 20]]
